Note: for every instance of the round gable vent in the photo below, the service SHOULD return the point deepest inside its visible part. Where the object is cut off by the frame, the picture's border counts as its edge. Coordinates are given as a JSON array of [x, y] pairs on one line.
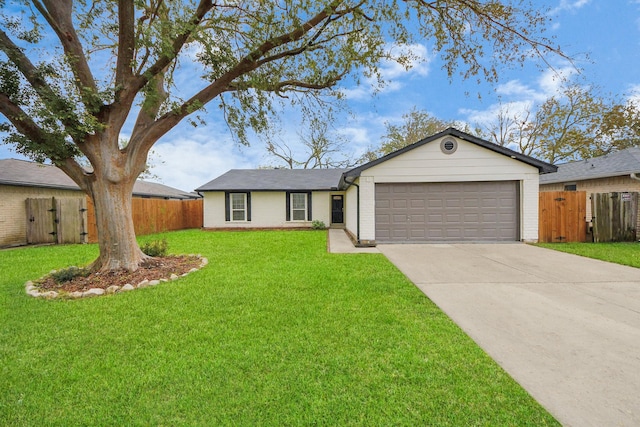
[[449, 145]]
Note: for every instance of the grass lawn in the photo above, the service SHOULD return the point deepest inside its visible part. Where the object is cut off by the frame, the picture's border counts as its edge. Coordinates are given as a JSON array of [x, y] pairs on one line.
[[274, 331], [620, 253]]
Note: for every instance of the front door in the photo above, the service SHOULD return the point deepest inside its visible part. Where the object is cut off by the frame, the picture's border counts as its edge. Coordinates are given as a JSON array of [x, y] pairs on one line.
[[337, 209]]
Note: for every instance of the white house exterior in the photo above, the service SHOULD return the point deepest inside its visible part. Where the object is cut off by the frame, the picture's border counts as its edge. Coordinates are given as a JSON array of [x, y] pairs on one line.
[[273, 198], [448, 187]]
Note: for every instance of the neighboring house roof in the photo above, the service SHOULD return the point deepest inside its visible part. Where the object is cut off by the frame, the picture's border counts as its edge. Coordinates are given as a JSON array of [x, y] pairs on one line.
[[623, 162], [30, 174], [543, 167], [275, 180]]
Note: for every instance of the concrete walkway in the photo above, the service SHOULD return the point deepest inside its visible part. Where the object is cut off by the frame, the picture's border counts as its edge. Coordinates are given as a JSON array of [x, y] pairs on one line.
[[567, 328], [339, 243]]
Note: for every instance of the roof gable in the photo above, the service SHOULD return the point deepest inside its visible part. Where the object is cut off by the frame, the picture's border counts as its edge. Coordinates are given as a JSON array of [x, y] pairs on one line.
[[275, 180], [543, 167], [623, 162]]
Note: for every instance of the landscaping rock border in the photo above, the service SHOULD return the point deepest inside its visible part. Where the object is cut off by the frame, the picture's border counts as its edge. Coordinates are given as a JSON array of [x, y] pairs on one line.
[[32, 290]]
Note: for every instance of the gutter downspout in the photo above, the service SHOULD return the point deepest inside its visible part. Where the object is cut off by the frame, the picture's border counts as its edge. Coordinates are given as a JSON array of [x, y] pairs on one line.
[[349, 184], [635, 176]]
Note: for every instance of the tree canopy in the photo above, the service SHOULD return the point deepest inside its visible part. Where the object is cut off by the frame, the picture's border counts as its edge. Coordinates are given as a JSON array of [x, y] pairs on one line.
[[575, 123], [74, 73]]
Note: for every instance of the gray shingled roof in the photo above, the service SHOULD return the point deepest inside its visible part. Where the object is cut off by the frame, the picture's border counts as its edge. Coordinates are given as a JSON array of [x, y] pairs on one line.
[[275, 180], [30, 174], [623, 162]]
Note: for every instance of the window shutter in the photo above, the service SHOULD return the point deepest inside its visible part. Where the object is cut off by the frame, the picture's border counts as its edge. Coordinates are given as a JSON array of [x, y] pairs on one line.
[[248, 206], [227, 207], [288, 205], [309, 206]]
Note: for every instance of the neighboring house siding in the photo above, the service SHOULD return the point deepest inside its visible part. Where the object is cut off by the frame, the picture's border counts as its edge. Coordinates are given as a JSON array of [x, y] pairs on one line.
[[268, 210], [600, 185], [13, 214], [470, 162]]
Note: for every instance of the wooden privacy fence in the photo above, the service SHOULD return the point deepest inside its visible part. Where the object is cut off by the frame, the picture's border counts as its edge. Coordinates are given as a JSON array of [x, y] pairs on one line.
[[155, 216], [614, 217], [562, 216]]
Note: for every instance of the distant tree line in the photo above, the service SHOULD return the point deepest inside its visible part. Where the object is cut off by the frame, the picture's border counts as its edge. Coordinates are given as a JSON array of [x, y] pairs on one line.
[[576, 123]]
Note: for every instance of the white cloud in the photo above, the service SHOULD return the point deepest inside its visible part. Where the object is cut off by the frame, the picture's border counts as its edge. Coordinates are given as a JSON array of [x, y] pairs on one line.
[[552, 80], [487, 116], [194, 158], [416, 63], [569, 5], [517, 97], [515, 88], [634, 95]]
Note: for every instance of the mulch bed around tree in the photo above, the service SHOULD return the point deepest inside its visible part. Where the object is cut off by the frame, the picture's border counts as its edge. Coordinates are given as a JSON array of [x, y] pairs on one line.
[[153, 269]]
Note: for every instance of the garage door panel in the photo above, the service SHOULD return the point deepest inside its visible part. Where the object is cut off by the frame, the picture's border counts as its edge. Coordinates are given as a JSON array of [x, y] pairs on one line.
[[417, 204], [461, 211], [399, 204]]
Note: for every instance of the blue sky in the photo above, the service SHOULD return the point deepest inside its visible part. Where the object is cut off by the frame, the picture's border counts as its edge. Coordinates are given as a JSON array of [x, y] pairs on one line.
[[607, 31]]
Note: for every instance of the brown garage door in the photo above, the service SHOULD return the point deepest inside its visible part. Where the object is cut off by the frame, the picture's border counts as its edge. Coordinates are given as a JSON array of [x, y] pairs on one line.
[[448, 211]]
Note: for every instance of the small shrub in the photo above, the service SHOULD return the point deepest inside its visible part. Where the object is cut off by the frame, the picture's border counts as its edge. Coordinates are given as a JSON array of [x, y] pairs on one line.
[[318, 225], [155, 248], [68, 274]]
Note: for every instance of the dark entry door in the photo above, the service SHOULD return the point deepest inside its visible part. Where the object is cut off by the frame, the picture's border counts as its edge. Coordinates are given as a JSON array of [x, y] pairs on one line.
[[337, 209]]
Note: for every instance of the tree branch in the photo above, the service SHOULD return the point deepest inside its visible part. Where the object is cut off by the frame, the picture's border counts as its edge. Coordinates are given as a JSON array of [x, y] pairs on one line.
[[126, 41], [27, 127], [58, 15], [21, 120], [129, 92], [53, 101]]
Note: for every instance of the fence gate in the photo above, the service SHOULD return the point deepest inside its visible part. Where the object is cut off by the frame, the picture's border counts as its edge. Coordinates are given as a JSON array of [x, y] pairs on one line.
[[614, 216], [562, 216], [71, 222], [54, 220], [41, 221]]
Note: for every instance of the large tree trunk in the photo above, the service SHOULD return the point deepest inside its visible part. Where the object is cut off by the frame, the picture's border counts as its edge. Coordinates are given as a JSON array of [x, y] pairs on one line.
[[116, 235]]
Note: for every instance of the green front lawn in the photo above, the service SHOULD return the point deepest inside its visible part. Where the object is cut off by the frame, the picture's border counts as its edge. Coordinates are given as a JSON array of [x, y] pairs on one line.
[[620, 253], [274, 331]]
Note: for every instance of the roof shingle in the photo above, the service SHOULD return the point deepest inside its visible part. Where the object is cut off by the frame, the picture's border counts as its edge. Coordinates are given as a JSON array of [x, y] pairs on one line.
[[623, 162], [275, 180], [30, 174]]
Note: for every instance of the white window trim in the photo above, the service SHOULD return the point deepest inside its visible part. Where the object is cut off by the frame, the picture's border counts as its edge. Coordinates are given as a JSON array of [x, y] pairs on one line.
[[306, 207], [243, 210]]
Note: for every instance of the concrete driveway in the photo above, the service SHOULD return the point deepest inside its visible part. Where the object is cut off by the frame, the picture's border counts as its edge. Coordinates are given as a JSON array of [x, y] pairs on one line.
[[567, 328]]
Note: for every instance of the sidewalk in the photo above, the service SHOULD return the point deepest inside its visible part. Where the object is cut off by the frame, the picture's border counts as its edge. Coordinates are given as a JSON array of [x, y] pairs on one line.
[[339, 243]]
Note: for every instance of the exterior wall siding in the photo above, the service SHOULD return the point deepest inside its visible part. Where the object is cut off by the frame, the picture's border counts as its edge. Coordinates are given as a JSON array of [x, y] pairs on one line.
[[367, 209], [469, 163], [530, 210], [13, 214], [601, 185], [351, 210], [268, 210]]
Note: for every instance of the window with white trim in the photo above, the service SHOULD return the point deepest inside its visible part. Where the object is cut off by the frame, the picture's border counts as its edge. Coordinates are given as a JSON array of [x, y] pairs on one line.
[[238, 205], [298, 206]]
